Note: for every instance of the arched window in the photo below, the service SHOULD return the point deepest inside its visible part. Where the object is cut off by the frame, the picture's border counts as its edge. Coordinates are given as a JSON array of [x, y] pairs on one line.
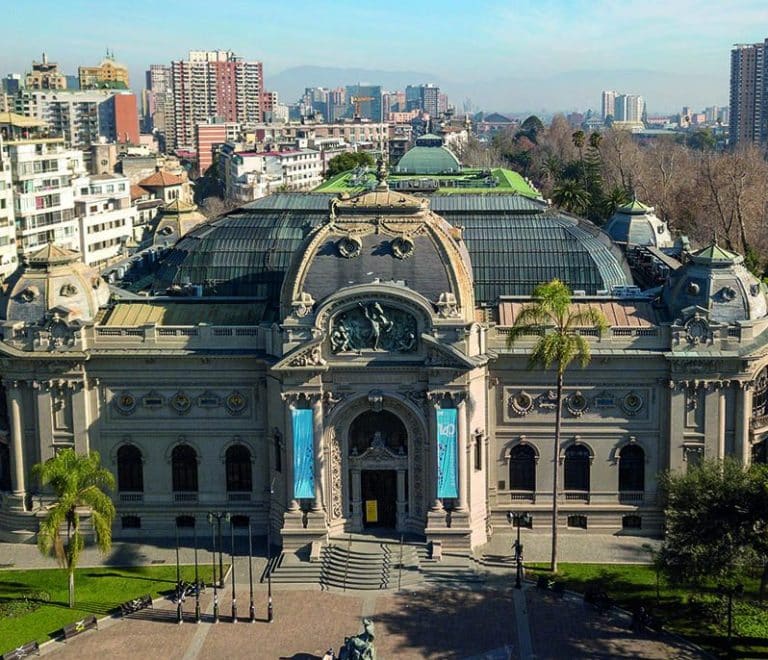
[[760, 395], [373, 428], [184, 461], [238, 462], [130, 470], [631, 469], [576, 468], [522, 468]]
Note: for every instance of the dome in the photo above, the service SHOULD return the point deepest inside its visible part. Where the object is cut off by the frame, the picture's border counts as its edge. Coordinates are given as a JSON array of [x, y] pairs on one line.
[[513, 242], [716, 279], [53, 278], [428, 160], [382, 236], [637, 224]]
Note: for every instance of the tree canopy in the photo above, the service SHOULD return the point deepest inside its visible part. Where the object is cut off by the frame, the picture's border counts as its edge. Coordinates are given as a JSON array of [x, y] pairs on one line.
[[716, 521], [78, 481], [348, 161], [557, 323]]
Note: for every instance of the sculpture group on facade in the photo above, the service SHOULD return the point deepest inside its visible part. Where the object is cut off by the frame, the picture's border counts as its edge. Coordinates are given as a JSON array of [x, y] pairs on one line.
[[373, 326]]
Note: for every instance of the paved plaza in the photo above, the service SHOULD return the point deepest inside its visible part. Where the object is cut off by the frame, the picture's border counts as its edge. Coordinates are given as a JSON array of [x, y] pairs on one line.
[[492, 621]]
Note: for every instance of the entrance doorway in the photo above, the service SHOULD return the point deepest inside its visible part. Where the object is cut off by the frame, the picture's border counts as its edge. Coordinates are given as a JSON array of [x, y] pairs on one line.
[[379, 491]]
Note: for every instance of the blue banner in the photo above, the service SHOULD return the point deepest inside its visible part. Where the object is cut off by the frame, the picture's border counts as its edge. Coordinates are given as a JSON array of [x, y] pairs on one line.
[[303, 454], [447, 440]]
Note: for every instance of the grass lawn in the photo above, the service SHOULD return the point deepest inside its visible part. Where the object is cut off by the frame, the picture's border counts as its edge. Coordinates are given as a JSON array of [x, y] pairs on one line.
[[697, 614], [98, 591]]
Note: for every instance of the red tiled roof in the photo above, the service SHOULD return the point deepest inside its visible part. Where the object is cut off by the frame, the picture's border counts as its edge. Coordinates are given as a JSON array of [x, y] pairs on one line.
[[161, 180], [619, 314], [137, 192]]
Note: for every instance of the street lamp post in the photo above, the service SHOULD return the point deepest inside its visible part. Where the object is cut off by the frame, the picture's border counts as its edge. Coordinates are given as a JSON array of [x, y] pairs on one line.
[[270, 612], [218, 517], [251, 609], [518, 519], [197, 579], [232, 557], [213, 568], [179, 590]]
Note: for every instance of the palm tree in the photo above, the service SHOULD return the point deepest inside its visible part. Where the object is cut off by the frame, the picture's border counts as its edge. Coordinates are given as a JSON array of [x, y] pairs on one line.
[[570, 195], [579, 139], [551, 316], [78, 481]]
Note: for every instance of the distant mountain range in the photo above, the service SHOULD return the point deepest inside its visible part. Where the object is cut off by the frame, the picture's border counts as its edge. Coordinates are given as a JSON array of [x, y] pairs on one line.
[[665, 91]]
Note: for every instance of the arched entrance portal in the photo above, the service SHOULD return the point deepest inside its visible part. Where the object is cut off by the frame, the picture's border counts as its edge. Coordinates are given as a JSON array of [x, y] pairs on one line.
[[377, 460], [378, 445]]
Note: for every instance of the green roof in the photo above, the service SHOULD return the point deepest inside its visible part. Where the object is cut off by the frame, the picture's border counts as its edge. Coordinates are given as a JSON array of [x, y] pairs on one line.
[[428, 160], [468, 180], [634, 208], [715, 255]]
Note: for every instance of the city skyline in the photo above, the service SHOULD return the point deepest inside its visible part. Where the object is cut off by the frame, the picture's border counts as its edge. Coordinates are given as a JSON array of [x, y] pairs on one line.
[[508, 59]]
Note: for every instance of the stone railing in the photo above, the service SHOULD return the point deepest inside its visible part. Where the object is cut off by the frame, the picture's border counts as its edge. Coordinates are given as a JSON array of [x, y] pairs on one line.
[[199, 336]]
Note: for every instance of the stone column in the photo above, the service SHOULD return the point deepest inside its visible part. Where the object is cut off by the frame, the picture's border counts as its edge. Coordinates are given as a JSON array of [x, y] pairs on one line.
[[293, 504], [461, 414], [437, 503], [317, 431], [13, 394], [357, 500], [743, 419], [402, 475]]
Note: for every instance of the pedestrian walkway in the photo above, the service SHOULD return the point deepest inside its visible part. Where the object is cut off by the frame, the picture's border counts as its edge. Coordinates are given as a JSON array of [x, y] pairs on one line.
[[484, 624], [488, 621]]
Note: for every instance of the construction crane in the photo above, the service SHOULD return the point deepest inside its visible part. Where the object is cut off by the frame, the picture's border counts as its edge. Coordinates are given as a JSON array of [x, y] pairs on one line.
[[356, 101]]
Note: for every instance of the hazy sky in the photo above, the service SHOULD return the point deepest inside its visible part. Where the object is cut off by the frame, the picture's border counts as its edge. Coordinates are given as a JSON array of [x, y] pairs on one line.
[[456, 40]]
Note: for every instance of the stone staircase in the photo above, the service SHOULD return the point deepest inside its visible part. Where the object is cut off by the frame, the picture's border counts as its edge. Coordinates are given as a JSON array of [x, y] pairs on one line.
[[366, 564]]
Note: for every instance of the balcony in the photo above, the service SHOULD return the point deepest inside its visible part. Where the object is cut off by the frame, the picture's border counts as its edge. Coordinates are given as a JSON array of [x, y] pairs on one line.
[[238, 497], [576, 496], [131, 498], [185, 498], [632, 497]]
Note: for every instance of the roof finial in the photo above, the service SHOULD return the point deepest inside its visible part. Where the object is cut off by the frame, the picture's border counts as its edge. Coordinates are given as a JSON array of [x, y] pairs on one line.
[[381, 167]]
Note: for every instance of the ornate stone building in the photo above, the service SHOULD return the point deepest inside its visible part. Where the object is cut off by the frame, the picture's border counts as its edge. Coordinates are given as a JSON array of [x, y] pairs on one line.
[[341, 364]]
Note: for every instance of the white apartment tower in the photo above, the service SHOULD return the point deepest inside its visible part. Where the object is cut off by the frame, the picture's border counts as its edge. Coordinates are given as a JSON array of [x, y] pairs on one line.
[[609, 104], [213, 84], [7, 225]]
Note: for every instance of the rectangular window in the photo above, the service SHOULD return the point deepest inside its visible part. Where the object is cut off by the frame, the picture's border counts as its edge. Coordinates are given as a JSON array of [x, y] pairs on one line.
[[131, 522]]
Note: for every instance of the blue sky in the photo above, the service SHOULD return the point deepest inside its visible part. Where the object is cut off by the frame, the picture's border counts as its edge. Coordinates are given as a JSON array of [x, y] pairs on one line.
[[465, 43]]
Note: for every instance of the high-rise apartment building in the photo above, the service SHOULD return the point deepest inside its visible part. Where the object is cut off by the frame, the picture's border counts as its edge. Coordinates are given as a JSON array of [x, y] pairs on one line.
[[84, 117], [108, 74], [609, 104], [44, 173], [749, 94], [424, 97], [366, 102], [45, 75], [7, 226], [629, 108], [214, 84]]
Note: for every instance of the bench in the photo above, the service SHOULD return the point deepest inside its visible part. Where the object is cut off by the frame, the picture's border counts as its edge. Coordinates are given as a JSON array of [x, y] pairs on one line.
[[73, 629], [140, 603], [24, 651]]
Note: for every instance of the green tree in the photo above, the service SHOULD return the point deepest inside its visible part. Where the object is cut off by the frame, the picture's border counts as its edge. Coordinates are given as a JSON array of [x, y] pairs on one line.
[[532, 127], [78, 481], [552, 317], [579, 140], [615, 198], [570, 195], [348, 161], [712, 525]]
